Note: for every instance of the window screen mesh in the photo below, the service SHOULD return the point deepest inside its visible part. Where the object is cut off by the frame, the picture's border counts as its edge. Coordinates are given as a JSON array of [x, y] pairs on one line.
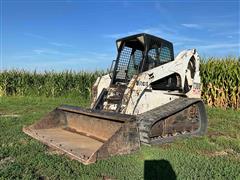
[[153, 54], [158, 55], [123, 62], [165, 54], [134, 63]]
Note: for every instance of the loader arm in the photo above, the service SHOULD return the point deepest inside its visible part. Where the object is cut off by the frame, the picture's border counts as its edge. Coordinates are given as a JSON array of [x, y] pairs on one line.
[[179, 66]]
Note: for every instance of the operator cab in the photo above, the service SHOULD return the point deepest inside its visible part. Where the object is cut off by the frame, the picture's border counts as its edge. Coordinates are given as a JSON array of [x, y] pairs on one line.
[[139, 53]]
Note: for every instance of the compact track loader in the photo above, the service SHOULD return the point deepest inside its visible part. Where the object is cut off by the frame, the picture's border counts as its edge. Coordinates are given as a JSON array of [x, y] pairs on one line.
[[149, 97]]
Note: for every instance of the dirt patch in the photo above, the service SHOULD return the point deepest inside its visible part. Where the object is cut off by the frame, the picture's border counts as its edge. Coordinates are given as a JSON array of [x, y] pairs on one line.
[[217, 134], [224, 152], [23, 141], [107, 177], [214, 134], [219, 153], [165, 146]]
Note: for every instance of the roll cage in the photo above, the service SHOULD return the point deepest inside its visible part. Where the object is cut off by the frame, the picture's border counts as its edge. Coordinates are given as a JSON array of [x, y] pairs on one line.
[[139, 53]]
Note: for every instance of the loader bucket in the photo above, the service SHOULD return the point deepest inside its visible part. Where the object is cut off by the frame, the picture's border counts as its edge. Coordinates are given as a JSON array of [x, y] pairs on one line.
[[86, 135]]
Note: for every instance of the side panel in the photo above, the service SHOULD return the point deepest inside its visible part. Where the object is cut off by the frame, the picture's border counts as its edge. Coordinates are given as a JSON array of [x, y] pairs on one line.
[[124, 141], [152, 99], [101, 82]]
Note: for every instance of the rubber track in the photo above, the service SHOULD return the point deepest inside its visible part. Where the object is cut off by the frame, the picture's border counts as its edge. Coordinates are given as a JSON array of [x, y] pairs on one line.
[[147, 119]]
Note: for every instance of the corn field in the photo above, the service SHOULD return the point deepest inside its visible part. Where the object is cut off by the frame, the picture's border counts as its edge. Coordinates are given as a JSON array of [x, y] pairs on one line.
[[49, 84], [220, 83]]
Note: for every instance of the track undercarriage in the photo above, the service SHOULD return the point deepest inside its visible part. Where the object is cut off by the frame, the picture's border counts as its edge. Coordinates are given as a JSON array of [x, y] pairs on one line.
[[181, 118]]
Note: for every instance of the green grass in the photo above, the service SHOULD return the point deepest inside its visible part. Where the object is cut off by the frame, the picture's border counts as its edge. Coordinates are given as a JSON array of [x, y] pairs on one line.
[[214, 156]]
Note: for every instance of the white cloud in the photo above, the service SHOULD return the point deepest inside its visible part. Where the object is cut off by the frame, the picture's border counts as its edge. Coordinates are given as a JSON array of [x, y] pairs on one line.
[[45, 51], [219, 24], [35, 36], [22, 57], [153, 31], [56, 60], [100, 56], [113, 36], [38, 51], [196, 26], [226, 33], [220, 46], [57, 44], [60, 44], [167, 33]]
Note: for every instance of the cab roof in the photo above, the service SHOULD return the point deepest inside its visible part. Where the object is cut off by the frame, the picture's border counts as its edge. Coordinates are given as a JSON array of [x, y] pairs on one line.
[[144, 38]]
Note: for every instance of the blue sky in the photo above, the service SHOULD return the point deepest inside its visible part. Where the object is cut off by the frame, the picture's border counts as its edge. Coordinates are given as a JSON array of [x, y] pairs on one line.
[[80, 35]]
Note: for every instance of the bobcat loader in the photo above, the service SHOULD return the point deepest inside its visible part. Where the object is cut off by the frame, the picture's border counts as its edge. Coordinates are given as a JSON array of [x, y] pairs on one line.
[[149, 97]]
